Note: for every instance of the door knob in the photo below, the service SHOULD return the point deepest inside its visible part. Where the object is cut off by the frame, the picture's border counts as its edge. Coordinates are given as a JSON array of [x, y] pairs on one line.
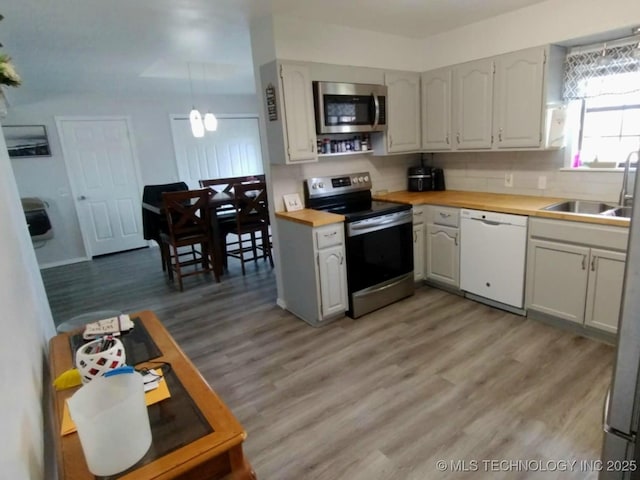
[[82, 197]]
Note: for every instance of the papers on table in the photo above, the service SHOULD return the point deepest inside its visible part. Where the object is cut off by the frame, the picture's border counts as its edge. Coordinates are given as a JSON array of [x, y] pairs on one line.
[[108, 326]]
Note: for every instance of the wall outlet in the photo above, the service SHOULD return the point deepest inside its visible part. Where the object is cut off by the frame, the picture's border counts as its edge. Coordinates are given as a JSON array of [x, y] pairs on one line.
[[542, 182], [508, 179]]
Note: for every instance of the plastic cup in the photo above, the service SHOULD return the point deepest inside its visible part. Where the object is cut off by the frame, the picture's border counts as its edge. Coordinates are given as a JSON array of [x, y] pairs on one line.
[[111, 416]]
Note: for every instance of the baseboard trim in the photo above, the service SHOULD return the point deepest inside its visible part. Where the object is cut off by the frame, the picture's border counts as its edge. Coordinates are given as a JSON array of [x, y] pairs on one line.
[[594, 334], [44, 266], [493, 303], [281, 303]]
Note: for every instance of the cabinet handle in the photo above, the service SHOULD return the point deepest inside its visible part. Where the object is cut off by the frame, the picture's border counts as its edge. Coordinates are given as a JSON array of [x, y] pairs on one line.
[[390, 140], [415, 237], [447, 139], [458, 138], [500, 135], [418, 212], [593, 263], [455, 240], [332, 234], [445, 215], [313, 147], [584, 262], [341, 259]]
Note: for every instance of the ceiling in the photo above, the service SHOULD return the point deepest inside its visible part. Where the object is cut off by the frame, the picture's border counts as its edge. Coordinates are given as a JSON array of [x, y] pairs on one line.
[[155, 46]]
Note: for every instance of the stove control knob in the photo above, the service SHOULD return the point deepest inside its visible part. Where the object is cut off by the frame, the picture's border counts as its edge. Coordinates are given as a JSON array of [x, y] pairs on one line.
[[321, 185], [354, 180], [361, 179], [366, 178], [314, 186]]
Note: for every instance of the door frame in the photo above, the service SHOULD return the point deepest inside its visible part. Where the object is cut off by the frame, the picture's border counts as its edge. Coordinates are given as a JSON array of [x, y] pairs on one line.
[[74, 188]]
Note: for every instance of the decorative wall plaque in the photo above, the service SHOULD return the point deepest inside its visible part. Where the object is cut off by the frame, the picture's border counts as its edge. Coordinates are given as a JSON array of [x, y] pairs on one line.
[[272, 109]]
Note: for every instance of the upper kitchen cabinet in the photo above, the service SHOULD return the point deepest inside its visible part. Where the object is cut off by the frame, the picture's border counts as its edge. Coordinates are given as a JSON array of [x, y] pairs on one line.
[[494, 103], [290, 122], [436, 109], [473, 104], [518, 107], [403, 113]]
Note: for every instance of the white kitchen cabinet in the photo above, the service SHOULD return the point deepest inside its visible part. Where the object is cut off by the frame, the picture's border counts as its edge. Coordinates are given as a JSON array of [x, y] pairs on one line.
[[443, 255], [290, 120], [473, 104], [604, 291], [418, 242], [575, 272], [443, 246], [436, 109], [557, 279], [518, 107], [403, 112], [314, 273]]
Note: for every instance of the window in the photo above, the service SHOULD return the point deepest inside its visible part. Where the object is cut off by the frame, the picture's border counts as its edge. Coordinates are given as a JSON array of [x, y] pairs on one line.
[[610, 128], [603, 85]]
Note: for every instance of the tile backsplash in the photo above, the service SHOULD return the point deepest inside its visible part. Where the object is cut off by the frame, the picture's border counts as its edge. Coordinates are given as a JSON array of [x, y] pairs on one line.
[[486, 172]]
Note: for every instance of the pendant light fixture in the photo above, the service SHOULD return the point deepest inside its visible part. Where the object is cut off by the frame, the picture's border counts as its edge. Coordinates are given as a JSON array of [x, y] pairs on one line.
[[210, 120], [195, 119], [603, 59]]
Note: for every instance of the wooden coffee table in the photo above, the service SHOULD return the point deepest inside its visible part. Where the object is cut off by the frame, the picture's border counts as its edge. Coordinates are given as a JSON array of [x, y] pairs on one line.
[[195, 435]]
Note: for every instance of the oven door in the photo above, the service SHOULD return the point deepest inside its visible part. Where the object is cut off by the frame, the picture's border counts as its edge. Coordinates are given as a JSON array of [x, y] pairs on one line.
[[379, 261]]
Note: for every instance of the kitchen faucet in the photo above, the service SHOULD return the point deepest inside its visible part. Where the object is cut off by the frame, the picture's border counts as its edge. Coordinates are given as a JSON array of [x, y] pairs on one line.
[[626, 198]]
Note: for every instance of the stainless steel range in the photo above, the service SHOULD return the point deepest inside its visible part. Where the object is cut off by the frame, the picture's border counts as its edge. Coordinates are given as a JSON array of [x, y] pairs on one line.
[[379, 240]]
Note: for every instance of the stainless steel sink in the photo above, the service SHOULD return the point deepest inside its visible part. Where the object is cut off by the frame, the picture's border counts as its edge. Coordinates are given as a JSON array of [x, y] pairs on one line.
[[584, 207], [624, 212]]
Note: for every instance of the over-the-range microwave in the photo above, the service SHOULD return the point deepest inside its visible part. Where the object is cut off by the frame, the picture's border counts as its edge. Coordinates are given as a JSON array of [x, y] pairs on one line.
[[350, 107]]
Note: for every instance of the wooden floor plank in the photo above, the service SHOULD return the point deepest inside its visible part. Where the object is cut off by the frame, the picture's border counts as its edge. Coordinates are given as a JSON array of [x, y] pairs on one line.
[[434, 377]]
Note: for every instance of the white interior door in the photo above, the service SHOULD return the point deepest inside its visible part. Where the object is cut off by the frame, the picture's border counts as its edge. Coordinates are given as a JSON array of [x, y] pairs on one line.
[[104, 179], [233, 150]]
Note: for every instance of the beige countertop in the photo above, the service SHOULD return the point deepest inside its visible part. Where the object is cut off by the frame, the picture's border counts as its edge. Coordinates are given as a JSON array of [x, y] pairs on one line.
[[498, 202], [313, 218]]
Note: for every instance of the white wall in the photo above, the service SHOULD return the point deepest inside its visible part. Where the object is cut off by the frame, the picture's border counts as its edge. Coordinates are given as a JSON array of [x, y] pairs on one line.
[[47, 177], [317, 42], [553, 21], [26, 326]]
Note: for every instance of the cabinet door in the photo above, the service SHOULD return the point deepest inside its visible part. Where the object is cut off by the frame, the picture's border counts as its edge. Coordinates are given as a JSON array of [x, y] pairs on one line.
[[298, 113], [517, 113], [333, 281], [443, 255], [557, 279], [473, 104], [604, 293], [418, 252], [436, 110], [403, 112]]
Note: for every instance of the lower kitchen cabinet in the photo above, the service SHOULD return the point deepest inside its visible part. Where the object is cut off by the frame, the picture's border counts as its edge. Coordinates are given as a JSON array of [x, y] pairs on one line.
[[579, 283], [443, 255], [604, 292], [314, 272], [443, 246]]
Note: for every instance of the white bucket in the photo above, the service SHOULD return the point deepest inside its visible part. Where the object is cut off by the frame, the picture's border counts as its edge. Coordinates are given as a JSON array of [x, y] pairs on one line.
[[112, 420]]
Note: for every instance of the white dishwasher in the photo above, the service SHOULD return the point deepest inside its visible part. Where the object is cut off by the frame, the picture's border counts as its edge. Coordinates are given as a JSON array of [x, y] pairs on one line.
[[492, 255]]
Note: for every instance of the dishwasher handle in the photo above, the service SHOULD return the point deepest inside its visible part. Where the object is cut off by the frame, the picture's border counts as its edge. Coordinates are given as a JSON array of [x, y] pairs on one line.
[[488, 222]]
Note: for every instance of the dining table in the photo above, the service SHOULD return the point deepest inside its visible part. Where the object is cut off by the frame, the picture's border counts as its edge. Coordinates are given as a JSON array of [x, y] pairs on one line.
[[218, 203]]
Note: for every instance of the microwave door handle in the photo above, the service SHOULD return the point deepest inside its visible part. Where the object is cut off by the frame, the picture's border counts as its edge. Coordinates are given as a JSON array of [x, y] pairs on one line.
[[376, 106]]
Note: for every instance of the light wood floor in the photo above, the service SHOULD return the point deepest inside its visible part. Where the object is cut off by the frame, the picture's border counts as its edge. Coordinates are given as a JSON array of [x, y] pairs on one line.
[[434, 377]]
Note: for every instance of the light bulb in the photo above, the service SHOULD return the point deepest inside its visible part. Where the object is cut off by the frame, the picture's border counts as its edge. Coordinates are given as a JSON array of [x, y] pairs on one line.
[[603, 60], [197, 127], [636, 52], [210, 122]]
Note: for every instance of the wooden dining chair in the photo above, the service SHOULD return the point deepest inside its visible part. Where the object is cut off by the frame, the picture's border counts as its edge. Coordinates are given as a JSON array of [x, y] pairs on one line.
[[252, 216], [189, 225], [154, 224], [226, 215]]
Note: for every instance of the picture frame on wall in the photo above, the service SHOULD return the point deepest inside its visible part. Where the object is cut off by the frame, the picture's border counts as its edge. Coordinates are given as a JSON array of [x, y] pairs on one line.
[[24, 141]]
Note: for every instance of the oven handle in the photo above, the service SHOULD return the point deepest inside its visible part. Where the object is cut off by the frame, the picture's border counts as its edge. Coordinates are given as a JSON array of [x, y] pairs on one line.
[[368, 227]]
